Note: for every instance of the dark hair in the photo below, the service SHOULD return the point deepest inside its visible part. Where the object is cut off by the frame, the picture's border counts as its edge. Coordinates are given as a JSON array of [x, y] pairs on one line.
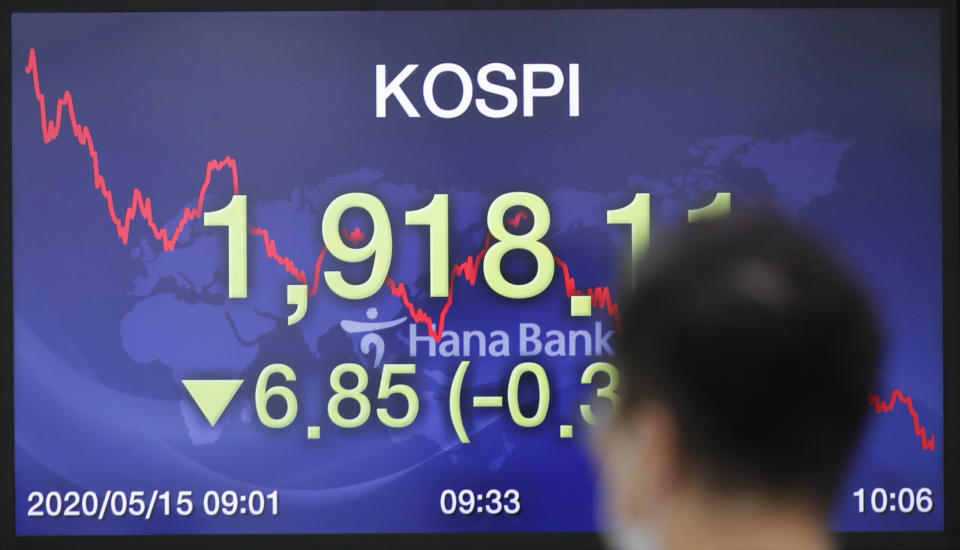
[[762, 345]]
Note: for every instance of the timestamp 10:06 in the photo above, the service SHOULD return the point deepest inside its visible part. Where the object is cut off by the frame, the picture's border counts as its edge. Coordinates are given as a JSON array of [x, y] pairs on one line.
[[905, 500]]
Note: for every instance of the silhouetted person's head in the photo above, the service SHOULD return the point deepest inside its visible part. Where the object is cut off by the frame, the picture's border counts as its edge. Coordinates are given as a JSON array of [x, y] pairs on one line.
[[746, 356]]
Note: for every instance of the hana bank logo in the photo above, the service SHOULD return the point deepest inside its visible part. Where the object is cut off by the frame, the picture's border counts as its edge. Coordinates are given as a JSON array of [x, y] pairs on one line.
[[371, 342]]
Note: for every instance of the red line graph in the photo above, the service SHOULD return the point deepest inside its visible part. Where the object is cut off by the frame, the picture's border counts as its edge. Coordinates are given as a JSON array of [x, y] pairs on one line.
[[517, 218], [354, 237], [51, 129], [600, 296], [883, 408], [468, 269], [270, 246]]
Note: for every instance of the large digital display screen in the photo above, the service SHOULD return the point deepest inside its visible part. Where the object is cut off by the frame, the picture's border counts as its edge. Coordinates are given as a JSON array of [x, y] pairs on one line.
[[360, 272]]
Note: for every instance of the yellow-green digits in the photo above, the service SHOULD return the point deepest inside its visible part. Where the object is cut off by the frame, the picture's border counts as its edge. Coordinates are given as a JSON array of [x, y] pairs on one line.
[[355, 393], [386, 390], [513, 395], [297, 296], [529, 242], [456, 389], [380, 245], [608, 392], [637, 216], [436, 215], [233, 216], [720, 206], [262, 395]]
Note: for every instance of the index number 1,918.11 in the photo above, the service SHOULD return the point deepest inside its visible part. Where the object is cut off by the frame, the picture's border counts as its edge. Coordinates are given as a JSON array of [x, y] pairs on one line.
[[435, 215]]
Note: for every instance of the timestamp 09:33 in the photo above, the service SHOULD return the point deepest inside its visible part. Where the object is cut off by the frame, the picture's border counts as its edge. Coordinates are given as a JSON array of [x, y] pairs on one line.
[[149, 504], [469, 502]]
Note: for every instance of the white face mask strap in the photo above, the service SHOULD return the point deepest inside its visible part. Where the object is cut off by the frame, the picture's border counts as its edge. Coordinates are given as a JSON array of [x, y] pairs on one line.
[[621, 533]]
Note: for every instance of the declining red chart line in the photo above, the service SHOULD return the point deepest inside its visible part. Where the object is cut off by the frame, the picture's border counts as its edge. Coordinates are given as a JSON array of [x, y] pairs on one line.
[[468, 269], [881, 407]]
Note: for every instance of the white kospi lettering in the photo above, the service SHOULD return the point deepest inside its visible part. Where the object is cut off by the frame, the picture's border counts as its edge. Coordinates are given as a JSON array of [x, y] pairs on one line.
[[493, 82], [384, 91]]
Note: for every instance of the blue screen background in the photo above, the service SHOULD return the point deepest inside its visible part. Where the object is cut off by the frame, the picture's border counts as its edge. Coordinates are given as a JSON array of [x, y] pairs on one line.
[[832, 116]]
